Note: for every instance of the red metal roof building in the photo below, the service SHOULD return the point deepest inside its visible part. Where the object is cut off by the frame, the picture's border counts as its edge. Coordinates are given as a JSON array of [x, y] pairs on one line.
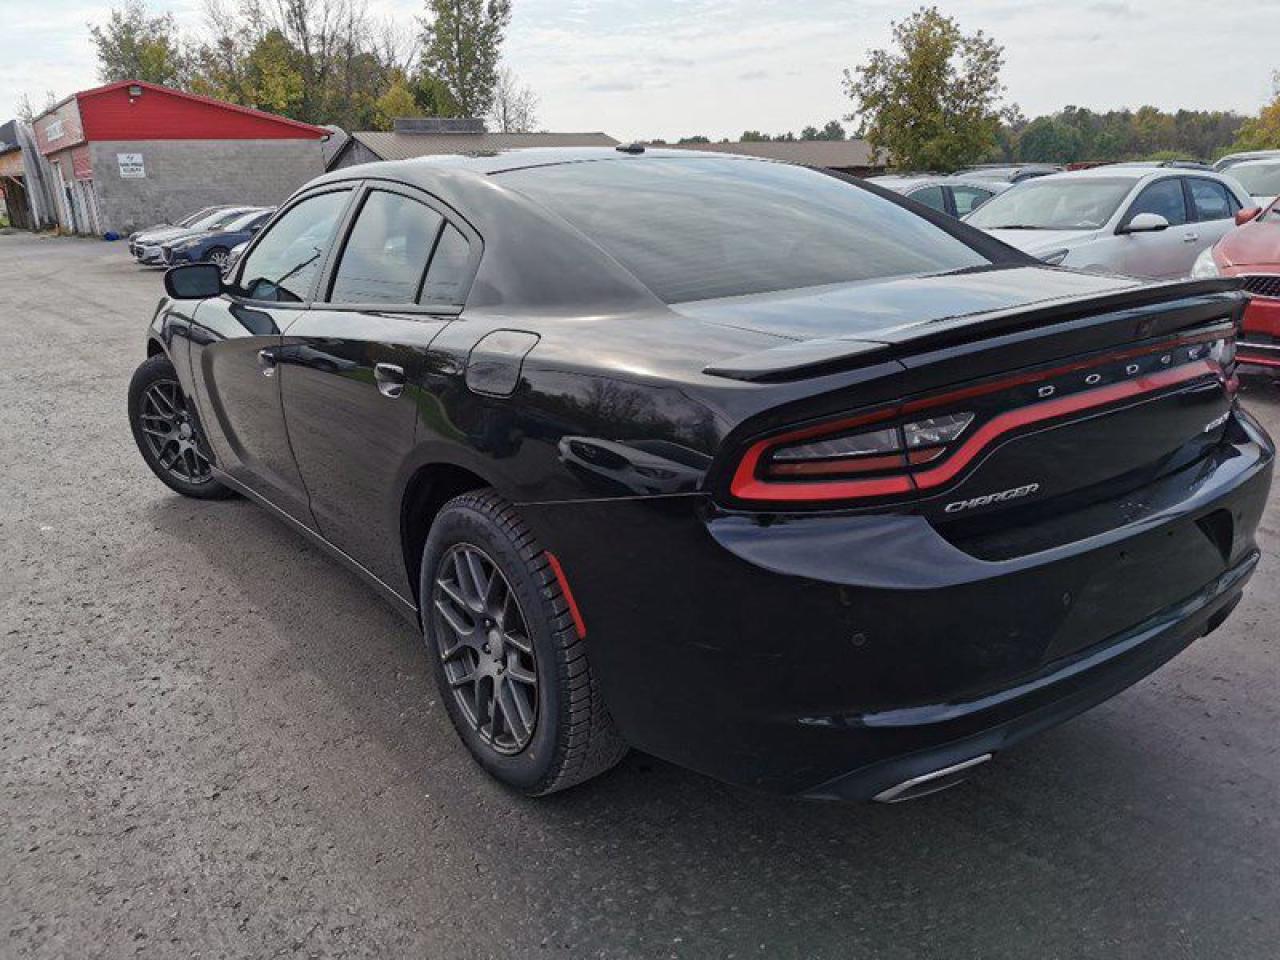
[[132, 153]]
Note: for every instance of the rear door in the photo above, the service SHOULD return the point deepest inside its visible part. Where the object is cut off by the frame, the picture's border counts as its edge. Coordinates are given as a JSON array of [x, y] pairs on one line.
[[235, 344], [352, 366], [1213, 211], [1159, 253]]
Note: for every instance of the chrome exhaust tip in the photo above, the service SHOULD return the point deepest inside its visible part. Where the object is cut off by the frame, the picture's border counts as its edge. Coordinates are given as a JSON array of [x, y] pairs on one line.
[[932, 782]]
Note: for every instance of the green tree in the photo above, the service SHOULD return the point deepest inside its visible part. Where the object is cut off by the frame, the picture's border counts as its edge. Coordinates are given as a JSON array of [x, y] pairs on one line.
[[1048, 140], [133, 45], [461, 47], [696, 138], [433, 97], [1263, 131], [396, 101], [932, 101], [832, 130], [754, 136]]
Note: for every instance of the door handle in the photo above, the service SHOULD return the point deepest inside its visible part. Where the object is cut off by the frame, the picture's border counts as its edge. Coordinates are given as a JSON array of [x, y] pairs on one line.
[[267, 362], [1190, 237], [390, 379]]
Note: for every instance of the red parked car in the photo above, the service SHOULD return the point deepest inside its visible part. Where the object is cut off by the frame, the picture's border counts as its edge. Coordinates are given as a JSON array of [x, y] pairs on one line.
[[1252, 251]]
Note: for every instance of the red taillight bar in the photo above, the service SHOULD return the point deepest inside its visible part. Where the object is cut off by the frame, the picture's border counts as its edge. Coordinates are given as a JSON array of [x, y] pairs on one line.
[[745, 485]]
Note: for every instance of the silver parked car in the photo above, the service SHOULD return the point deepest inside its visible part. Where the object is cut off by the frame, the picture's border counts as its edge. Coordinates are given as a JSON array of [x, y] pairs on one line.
[[1232, 159], [955, 196], [1141, 221], [1260, 177]]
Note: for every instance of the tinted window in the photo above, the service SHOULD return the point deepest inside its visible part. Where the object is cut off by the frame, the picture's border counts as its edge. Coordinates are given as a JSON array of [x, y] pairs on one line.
[[1054, 203], [969, 199], [386, 253], [698, 228], [448, 273], [931, 197], [1164, 197], [285, 262], [1211, 199]]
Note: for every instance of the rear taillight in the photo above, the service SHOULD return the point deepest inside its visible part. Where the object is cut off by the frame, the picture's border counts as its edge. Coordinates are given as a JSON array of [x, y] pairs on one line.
[[868, 451], [925, 443]]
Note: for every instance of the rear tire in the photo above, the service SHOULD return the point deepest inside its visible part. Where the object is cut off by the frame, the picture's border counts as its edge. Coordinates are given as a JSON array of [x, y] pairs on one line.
[[502, 646], [167, 435], [218, 257]]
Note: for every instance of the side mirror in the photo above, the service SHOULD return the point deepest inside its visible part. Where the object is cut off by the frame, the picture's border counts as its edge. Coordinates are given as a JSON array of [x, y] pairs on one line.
[[193, 281], [1146, 223], [1244, 216]]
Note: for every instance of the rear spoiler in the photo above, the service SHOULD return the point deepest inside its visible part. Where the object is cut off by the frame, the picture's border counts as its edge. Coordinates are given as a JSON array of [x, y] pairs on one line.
[[1177, 303]]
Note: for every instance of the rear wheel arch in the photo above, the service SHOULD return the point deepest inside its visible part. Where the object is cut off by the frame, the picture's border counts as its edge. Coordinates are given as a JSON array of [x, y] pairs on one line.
[[429, 488]]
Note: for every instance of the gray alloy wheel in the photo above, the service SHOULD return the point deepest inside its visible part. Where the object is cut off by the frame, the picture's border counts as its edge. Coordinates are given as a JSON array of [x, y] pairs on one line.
[[168, 433], [513, 669], [485, 648], [219, 256]]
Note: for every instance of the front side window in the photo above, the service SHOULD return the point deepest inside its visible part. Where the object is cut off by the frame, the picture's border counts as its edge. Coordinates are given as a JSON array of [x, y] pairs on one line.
[[385, 256], [1164, 198], [703, 227], [284, 264], [1050, 203]]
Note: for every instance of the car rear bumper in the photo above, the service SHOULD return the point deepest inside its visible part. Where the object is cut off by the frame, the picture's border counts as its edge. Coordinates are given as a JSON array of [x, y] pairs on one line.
[[838, 655]]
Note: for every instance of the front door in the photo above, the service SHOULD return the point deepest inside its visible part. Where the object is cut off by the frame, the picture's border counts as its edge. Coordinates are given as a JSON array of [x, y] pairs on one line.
[[1159, 254], [352, 367], [235, 347]]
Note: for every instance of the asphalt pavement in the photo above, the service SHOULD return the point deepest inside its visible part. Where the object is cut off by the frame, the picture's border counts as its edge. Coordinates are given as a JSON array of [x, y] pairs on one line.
[[215, 742]]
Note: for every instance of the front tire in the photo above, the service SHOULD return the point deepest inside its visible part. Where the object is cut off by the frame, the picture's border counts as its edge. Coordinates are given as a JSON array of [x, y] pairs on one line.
[[514, 675], [218, 256], [167, 434]]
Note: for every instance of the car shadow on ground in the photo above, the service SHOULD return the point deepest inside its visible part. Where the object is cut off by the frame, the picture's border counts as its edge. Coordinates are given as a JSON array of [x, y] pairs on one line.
[[1083, 816]]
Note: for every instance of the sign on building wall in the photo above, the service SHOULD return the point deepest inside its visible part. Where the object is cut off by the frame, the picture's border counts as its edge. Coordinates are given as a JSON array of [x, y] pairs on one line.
[[131, 166]]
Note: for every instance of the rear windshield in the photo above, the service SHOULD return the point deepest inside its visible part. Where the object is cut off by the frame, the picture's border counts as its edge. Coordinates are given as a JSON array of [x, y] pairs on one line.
[[703, 228], [1260, 180]]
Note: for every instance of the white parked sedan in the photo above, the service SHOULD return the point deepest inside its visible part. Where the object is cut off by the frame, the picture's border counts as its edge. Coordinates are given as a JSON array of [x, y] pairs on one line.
[[955, 196], [1260, 177], [1141, 221]]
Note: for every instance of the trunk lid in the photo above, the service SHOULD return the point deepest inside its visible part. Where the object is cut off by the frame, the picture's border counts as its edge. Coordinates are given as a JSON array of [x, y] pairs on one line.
[[1092, 388]]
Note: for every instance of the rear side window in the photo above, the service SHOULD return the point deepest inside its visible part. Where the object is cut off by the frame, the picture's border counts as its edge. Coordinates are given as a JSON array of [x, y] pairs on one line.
[[931, 197], [285, 263], [386, 253], [1163, 197], [701, 228], [448, 273], [969, 199], [1211, 199]]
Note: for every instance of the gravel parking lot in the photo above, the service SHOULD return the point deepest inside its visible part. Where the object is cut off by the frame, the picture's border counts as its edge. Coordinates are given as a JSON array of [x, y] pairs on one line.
[[217, 743]]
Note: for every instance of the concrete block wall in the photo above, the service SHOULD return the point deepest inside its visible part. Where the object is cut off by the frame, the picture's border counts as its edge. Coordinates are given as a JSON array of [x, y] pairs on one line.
[[184, 175]]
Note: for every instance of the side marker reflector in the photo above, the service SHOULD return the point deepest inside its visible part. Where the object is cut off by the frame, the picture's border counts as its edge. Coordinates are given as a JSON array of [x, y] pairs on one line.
[[579, 625]]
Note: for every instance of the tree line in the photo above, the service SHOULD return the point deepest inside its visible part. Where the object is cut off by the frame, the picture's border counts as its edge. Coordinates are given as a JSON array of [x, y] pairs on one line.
[[327, 61], [934, 100]]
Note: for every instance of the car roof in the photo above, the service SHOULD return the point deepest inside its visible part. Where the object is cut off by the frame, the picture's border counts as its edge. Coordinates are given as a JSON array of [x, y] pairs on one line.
[[1258, 162]]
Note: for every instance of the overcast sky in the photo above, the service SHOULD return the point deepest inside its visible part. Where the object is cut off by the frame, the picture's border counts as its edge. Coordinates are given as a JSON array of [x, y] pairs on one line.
[[671, 68]]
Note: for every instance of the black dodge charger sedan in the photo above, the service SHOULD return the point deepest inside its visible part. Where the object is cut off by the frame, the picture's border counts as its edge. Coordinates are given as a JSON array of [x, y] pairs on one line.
[[762, 470]]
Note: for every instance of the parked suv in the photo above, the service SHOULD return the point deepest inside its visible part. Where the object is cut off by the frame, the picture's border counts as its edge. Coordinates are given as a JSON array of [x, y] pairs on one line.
[[1142, 221]]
